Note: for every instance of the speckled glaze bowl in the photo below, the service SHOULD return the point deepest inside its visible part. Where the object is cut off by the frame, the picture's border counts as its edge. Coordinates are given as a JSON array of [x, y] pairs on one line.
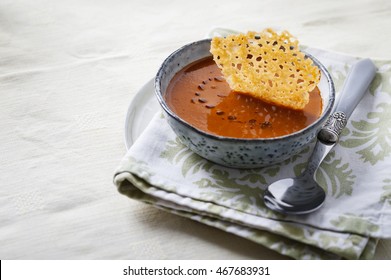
[[236, 152]]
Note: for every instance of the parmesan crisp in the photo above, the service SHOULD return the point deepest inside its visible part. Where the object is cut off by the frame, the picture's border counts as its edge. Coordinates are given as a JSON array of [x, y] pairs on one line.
[[267, 65]]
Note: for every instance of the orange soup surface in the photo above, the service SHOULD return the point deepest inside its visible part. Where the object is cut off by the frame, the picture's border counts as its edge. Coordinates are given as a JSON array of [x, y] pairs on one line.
[[200, 95]]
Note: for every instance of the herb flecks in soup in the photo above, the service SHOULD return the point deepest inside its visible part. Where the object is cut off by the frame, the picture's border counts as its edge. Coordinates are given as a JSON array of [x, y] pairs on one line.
[[200, 95]]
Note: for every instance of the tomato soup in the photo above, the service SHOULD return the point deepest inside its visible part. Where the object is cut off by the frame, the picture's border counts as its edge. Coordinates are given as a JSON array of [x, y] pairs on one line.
[[200, 95]]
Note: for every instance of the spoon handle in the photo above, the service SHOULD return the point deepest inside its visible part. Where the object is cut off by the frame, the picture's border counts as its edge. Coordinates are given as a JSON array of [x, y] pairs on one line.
[[320, 151], [359, 78], [356, 85]]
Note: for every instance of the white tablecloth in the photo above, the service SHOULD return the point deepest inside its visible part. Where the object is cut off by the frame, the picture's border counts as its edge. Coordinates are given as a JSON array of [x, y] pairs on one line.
[[68, 71]]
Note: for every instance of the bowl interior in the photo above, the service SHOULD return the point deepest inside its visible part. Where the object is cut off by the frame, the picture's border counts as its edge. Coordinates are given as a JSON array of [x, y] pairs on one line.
[[326, 87], [177, 61]]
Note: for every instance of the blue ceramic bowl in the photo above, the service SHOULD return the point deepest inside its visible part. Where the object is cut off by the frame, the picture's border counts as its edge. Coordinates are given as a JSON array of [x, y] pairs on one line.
[[229, 151]]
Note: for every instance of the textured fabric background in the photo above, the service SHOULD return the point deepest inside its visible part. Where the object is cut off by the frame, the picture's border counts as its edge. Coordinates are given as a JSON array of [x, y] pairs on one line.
[[68, 71]]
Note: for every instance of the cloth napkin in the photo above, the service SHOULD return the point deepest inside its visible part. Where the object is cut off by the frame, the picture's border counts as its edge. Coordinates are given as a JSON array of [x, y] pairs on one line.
[[158, 169]]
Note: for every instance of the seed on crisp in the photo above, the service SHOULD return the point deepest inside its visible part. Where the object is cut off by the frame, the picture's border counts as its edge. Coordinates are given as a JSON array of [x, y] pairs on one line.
[[202, 100]]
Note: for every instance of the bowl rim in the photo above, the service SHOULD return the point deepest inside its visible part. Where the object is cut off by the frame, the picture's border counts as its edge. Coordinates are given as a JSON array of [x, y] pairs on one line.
[[326, 112]]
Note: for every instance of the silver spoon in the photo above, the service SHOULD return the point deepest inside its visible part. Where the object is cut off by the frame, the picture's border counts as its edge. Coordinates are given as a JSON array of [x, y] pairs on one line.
[[302, 195]]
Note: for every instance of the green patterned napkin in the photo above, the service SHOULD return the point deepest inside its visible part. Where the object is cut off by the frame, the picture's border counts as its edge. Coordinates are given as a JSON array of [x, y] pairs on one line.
[[356, 175]]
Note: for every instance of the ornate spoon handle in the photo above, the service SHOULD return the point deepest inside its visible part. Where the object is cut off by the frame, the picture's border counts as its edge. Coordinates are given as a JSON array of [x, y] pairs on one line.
[[357, 83]]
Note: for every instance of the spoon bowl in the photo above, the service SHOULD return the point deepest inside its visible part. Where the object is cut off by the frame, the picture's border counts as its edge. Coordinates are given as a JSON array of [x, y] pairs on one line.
[[290, 197]]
